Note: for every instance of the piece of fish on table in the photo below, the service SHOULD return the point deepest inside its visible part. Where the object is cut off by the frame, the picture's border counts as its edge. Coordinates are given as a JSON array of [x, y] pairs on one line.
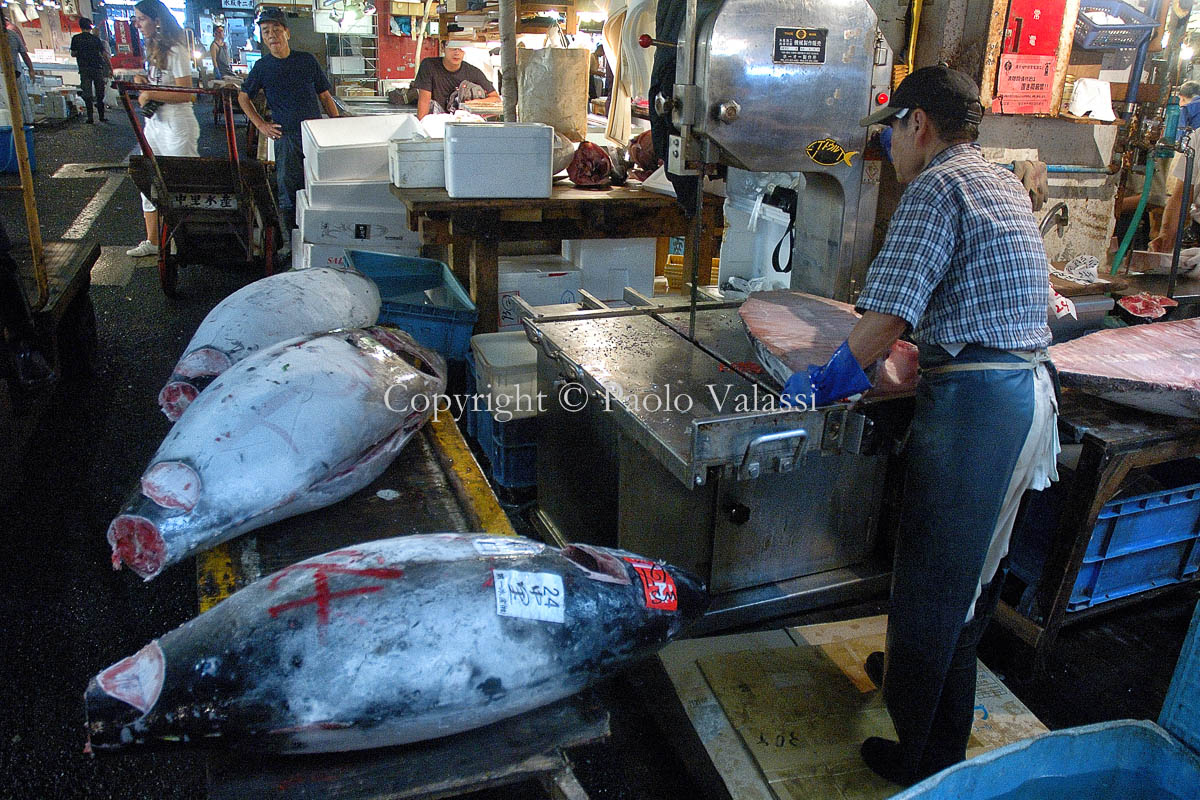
[[264, 313], [393, 641], [791, 330], [289, 429], [1154, 367]]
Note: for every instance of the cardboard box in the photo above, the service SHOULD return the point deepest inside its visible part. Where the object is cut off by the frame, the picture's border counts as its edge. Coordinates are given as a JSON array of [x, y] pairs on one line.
[[361, 227], [539, 281]]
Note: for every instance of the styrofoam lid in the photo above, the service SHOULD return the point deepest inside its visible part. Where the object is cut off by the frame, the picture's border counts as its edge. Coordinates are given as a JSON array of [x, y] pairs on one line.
[[510, 349], [410, 128], [539, 263], [354, 131]]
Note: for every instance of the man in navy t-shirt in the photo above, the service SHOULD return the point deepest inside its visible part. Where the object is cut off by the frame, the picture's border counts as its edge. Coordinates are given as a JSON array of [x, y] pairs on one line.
[[297, 89]]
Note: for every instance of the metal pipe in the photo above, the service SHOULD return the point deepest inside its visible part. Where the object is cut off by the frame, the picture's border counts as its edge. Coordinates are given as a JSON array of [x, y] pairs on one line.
[[32, 223], [1136, 219], [1057, 168], [1184, 216], [508, 58], [1139, 61]]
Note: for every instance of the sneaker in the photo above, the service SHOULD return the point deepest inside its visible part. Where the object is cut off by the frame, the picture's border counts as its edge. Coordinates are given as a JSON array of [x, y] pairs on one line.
[[143, 249]]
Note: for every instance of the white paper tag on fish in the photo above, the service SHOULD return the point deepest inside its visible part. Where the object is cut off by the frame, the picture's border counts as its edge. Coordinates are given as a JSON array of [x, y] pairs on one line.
[[529, 595], [507, 546], [1062, 306]]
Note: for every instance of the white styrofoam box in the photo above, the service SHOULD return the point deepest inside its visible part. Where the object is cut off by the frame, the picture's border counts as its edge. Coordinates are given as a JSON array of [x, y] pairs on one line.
[[334, 255], [55, 106], [749, 242], [418, 163], [347, 65], [499, 159], [5, 118], [349, 148], [353, 225], [538, 280], [506, 364], [609, 265], [356, 194]]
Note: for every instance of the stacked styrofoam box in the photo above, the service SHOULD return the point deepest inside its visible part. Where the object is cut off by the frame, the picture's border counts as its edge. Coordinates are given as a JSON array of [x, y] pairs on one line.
[[607, 266], [350, 148], [347, 200], [538, 280], [417, 163], [499, 159]]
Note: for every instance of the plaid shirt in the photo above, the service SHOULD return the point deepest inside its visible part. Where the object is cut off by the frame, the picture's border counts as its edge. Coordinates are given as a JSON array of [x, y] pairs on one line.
[[963, 261]]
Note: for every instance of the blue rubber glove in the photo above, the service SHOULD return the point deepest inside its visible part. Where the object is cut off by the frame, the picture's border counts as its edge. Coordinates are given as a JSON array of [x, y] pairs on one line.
[[821, 386]]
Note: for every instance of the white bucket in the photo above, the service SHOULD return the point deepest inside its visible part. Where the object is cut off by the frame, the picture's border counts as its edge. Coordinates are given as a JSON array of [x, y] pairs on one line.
[[750, 238]]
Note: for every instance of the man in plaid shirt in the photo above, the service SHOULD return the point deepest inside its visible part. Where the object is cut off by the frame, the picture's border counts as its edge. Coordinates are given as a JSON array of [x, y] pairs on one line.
[[964, 268]]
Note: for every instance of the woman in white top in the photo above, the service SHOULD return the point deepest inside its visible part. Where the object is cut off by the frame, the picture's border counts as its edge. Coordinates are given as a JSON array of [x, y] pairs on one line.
[[173, 129]]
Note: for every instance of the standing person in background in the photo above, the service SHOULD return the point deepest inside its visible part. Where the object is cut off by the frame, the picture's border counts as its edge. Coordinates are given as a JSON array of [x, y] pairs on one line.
[[296, 90], [20, 57], [91, 56], [171, 128], [218, 51], [439, 77], [1189, 108]]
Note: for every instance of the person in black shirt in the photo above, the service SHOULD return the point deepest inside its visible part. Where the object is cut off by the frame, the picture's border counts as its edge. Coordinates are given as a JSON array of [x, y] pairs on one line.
[[91, 55], [296, 90], [438, 78]]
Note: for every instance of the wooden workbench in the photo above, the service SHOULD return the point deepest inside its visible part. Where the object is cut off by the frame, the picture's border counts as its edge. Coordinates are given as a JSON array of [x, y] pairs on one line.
[[434, 485], [474, 227], [1115, 440]]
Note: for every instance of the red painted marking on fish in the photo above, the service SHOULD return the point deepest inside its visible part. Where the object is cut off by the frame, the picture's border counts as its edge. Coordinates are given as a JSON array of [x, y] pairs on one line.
[[136, 680], [658, 586], [491, 581], [322, 597]]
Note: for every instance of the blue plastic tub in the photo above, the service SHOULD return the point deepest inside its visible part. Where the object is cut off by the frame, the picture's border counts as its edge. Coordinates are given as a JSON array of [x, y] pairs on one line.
[[8, 149], [1141, 542], [510, 447], [1125, 760], [421, 296], [1134, 29]]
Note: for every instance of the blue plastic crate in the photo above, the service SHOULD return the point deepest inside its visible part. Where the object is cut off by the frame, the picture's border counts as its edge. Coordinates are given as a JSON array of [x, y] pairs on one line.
[[8, 149], [1141, 542], [1136, 27], [421, 296], [471, 418], [1124, 760], [510, 447]]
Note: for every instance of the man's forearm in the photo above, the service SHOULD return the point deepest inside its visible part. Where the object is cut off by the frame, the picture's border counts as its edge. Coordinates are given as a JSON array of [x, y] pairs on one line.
[[328, 104], [873, 336], [250, 111]]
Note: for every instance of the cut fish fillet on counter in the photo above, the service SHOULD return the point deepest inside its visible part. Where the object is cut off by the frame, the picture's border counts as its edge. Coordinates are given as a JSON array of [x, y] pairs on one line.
[[1154, 367], [291, 428], [264, 313], [393, 641], [791, 330]]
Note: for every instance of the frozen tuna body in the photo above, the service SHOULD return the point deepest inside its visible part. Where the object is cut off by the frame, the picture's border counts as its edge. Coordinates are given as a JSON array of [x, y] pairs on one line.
[[393, 641], [790, 330], [264, 313], [1154, 367], [291, 428]]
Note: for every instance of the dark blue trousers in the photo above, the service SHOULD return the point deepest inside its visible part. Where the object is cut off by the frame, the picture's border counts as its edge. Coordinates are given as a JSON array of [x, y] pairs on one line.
[[968, 431], [289, 178]]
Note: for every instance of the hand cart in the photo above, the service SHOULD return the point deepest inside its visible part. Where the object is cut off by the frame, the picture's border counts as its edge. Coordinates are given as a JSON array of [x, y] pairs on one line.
[[207, 206]]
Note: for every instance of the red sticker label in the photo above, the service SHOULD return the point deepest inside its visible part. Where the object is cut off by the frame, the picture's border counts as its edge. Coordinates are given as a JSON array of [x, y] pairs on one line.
[[657, 584]]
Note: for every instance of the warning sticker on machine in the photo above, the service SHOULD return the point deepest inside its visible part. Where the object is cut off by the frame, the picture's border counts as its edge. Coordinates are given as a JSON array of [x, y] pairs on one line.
[[800, 45]]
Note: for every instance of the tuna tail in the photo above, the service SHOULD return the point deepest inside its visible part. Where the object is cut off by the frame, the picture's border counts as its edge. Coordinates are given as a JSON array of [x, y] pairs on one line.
[[849, 154]]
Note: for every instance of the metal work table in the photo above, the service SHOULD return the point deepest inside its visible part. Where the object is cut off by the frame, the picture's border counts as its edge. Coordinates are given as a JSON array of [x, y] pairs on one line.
[[474, 228], [439, 487], [1115, 440]]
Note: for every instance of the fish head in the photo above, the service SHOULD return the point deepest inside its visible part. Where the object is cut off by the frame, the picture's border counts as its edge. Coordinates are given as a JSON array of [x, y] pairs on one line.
[[165, 501], [399, 342], [662, 588]]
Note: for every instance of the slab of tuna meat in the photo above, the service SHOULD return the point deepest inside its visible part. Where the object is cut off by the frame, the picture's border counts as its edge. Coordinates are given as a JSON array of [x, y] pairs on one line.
[[1154, 367], [790, 330]]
